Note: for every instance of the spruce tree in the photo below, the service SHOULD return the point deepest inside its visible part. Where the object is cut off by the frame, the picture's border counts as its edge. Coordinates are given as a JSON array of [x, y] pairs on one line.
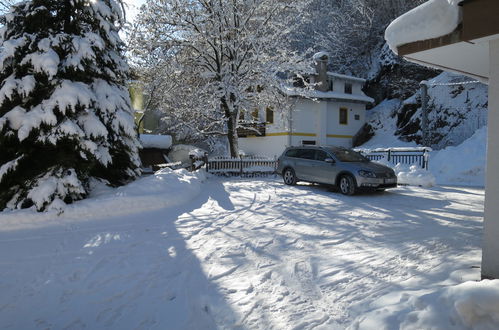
[[65, 112]]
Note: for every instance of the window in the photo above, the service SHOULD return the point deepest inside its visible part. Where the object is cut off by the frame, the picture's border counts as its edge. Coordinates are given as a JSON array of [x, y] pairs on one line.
[[320, 155], [348, 88], [331, 85], [292, 153], [357, 117], [254, 115], [306, 153], [269, 116], [308, 142], [343, 116]]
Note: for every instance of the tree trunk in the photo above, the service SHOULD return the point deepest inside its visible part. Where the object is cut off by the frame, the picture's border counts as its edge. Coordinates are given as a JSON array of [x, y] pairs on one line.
[[232, 117], [232, 135]]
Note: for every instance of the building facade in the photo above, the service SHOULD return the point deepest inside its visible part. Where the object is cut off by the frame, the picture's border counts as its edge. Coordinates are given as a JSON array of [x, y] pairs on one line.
[[330, 112]]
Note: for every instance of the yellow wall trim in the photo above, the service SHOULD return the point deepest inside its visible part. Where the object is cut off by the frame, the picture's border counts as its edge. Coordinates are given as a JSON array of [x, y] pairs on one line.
[[293, 134], [339, 136]]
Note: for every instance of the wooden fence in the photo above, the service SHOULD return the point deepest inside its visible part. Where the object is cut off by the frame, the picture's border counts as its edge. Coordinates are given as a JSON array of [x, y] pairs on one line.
[[409, 156], [245, 166]]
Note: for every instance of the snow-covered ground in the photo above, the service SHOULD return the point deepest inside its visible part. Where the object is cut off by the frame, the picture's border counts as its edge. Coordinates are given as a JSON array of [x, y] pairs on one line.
[[193, 253]]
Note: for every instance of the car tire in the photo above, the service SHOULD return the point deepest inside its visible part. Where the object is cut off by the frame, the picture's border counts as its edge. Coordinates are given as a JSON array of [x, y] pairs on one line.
[[289, 177], [347, 185]]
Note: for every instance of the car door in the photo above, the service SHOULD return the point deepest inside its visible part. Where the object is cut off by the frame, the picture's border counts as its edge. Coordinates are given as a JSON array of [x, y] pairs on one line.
[[304, 164], [324, 172]]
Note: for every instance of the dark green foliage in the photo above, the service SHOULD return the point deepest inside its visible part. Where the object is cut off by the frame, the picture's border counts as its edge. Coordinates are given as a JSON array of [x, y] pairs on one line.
[[65, 113]]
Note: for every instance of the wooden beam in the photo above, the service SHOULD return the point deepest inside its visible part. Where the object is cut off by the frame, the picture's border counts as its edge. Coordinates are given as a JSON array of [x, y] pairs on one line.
[[422, 45], [480, 19]]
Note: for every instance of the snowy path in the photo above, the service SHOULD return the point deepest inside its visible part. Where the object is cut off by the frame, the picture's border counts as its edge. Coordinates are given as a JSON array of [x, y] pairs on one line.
[[243, 254]]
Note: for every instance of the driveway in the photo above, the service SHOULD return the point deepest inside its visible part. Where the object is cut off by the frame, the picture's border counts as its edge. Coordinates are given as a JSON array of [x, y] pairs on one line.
[[244, 253]]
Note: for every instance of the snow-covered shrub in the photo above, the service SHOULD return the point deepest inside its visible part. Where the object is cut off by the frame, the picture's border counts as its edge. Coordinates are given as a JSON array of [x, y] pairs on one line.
[[65, 113]]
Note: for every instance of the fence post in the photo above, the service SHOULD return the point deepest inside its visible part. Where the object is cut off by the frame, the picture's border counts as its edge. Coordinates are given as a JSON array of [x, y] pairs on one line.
[[389, 154], [426, 158], [424, 112], [241, 166]]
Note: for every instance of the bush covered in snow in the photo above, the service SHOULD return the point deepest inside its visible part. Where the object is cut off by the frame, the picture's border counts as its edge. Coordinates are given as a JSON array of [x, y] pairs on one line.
[[65, 113]]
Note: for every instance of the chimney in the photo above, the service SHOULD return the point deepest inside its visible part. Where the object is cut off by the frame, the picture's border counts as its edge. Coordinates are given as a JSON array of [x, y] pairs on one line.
[[321, 60]]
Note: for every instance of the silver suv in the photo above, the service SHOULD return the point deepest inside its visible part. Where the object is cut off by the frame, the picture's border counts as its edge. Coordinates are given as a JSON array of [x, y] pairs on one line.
[[342, 167]]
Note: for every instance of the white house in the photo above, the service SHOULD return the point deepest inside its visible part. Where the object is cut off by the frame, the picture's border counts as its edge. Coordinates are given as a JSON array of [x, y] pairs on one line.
[[330, 113], [462, 36]]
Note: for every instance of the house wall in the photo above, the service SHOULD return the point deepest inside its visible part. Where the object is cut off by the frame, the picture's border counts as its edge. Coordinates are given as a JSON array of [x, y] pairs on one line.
[[305, 121], [341, 135], [339, 85], [268, 146], [490, 259], [309, 121]]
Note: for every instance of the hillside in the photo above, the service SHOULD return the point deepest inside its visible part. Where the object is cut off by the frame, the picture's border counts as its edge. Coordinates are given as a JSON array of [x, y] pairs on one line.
[[457, 109]]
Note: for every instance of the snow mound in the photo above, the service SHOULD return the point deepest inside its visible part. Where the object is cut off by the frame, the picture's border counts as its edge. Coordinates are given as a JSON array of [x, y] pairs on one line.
[[469, 305], [166, 188], [411, 174], [414, 175], [463, 164], [432, 19]]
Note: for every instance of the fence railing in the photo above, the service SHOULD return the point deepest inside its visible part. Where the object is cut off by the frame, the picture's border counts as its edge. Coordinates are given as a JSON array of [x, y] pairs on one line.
[[241, 166], [418, 156]]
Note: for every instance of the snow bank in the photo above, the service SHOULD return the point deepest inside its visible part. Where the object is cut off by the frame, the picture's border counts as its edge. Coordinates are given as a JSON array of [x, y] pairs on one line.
[[463, 164], [470, 305], [432, 19], [166, 188], [411, 174], [156, 141], [414, 175]]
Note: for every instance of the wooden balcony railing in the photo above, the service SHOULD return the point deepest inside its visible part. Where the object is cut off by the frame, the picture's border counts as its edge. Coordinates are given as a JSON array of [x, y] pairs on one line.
[[251, 129]]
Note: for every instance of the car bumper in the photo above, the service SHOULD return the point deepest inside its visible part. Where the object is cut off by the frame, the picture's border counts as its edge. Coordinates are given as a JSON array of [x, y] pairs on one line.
[[363, 182]]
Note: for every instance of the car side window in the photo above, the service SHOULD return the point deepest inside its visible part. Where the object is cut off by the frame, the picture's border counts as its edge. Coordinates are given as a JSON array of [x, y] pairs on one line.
[[292, 153], [306, 154], [320, 155]]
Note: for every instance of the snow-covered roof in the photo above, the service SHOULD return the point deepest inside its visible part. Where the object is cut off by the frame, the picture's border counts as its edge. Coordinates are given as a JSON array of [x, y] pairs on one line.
[[432, 19], [314, 94], [346, 77], [156, 141]]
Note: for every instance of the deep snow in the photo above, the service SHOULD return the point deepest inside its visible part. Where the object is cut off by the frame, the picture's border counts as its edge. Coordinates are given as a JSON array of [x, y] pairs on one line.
[[252, 253], [463, 164], [432, 19]]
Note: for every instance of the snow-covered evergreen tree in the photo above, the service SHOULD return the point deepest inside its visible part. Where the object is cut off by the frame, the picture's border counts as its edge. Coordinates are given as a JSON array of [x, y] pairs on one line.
[[65, 112]]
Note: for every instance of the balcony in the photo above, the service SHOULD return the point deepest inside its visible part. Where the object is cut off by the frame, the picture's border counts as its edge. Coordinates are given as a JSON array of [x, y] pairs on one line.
[[246, 129]]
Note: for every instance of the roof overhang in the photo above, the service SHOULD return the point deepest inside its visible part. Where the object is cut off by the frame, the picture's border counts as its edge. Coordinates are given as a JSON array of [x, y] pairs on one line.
[[466, 49]]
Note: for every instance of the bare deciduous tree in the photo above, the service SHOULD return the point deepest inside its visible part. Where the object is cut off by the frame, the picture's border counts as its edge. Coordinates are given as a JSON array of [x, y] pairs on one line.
[[207, 61]]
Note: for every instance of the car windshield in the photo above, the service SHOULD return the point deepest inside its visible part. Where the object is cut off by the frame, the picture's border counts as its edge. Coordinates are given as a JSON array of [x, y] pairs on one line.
[[347, 155]]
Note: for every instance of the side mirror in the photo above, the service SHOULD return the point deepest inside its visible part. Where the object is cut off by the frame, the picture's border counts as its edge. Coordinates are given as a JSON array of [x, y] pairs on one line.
[[329, 160]]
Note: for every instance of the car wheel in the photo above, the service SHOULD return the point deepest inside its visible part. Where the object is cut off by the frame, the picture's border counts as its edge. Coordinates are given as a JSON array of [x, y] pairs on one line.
[[289, 177], [347, 185]]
